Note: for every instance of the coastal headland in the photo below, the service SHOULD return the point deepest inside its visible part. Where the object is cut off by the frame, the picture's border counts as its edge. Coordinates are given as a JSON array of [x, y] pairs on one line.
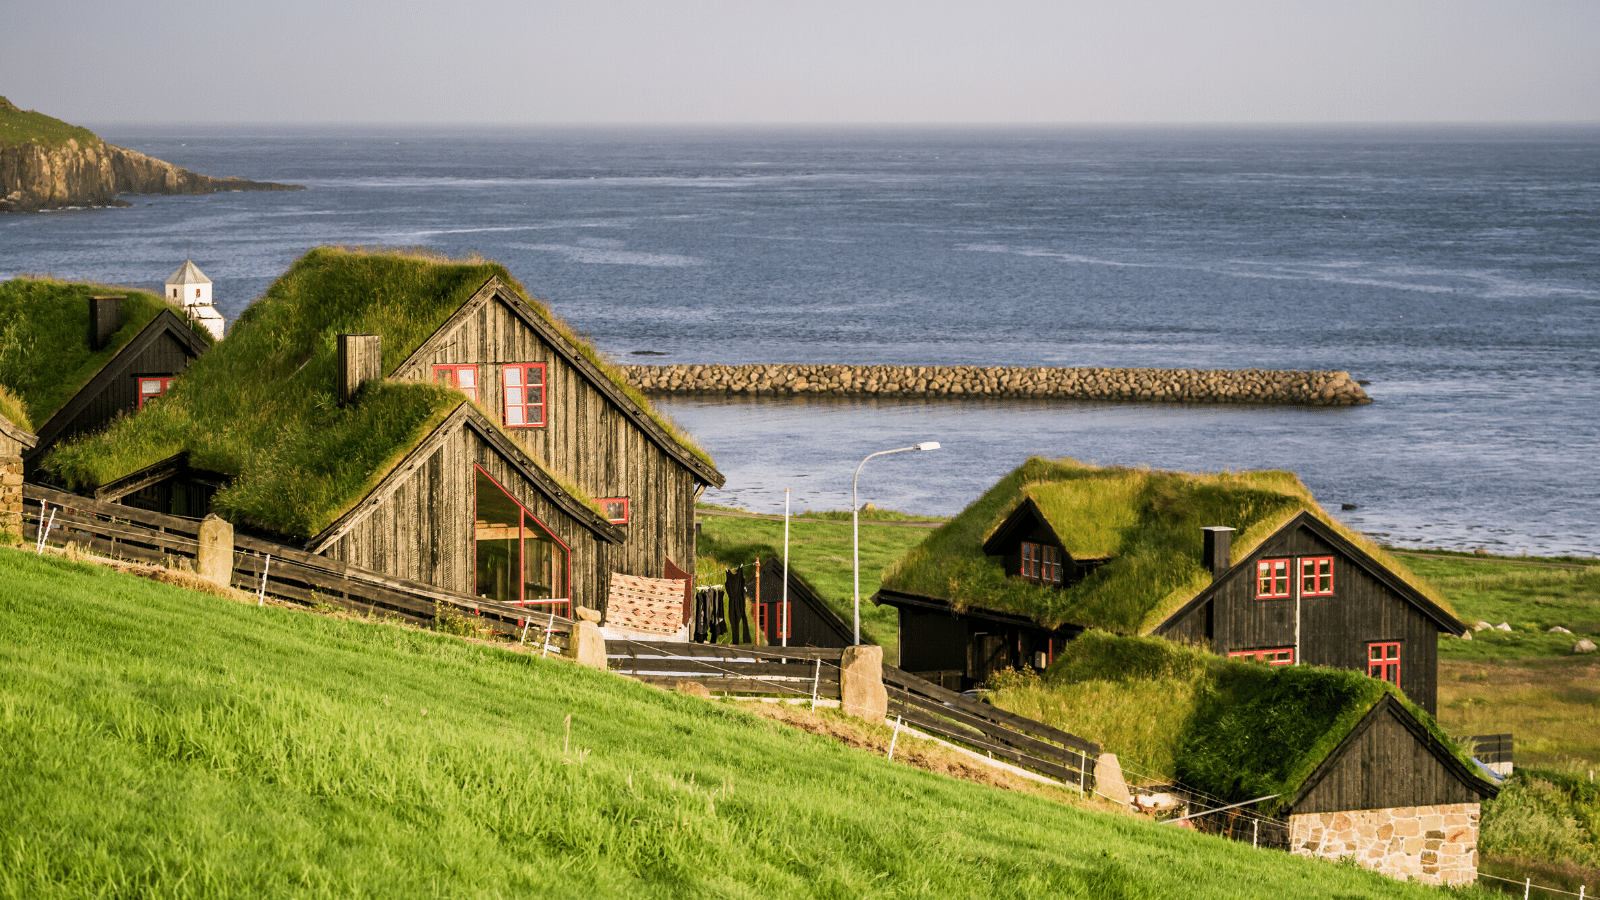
[[1264, 386]]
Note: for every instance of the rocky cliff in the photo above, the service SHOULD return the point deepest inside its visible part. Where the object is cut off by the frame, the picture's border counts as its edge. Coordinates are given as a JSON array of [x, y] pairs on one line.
[[82, 170]]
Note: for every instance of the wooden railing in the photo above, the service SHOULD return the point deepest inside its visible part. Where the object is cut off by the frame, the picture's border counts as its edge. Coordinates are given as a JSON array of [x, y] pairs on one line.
[[123, 532], [802, 672]]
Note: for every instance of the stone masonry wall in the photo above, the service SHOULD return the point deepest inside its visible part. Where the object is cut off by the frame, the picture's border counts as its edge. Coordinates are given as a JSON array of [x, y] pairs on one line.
[[1272, 386], [1430, 844], [11, 495]]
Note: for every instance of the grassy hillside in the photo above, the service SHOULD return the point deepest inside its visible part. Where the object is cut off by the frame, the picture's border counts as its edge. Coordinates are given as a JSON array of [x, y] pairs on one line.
[[25, 126], [819, 550], [164, 743]]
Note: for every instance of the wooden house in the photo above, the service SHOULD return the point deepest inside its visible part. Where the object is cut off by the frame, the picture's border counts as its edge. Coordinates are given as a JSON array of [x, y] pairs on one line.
[[810, 622], [1058, 547], [423, 419], [93, 357]]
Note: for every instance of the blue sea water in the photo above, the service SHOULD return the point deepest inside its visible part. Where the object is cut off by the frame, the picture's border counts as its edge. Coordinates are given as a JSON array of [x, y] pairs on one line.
[[1456, 269]]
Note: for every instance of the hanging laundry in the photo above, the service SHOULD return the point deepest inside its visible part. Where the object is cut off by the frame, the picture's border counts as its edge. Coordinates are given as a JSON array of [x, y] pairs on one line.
[[739, 621]]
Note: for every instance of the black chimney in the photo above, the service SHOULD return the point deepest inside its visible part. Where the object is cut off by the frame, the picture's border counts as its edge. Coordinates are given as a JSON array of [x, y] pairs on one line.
[[360, 361], [105, 319], [1216, 545]]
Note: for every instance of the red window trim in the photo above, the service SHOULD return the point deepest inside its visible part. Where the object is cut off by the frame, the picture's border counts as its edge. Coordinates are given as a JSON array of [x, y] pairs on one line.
[[1041, 562], [777, 612], [1386, 662], [454, 379], [139, 382], [623, 501], [522, 582], [527, 405], [1272, 583], [1274, 656], [1319, 583]]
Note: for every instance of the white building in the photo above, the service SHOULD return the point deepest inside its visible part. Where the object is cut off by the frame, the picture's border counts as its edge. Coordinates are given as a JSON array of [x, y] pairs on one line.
[[190, 287]]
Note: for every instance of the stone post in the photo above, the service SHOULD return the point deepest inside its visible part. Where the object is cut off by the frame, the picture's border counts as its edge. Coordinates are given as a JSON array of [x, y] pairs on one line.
[[1108, 780], [861, 690], [215, 562], [586, 645]]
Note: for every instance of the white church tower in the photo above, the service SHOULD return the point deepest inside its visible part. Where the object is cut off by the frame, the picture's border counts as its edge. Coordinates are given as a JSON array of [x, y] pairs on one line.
[[190, 287]]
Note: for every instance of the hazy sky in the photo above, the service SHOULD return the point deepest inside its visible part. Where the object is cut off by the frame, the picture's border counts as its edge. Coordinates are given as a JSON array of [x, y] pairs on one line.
[[713, 61]]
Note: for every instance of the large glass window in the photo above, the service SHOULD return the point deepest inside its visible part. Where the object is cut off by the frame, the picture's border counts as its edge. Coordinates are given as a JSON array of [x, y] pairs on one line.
[[518, 560]]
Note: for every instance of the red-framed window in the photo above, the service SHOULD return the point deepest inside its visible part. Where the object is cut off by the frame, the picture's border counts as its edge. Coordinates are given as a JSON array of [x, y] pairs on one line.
[[462, 378], [1316, 576], [524, 385], [616, 510], [777, 613], [1383, 661], [1041, 562], [152, 386], [1277, 656], [1272, 578]]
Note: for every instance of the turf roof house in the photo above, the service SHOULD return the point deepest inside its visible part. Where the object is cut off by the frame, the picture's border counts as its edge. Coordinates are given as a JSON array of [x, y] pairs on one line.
[[428, 421], [78, 356], [1245, 564]]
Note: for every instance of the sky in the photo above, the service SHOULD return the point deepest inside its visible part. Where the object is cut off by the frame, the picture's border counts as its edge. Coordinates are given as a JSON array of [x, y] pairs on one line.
[[96, 62]]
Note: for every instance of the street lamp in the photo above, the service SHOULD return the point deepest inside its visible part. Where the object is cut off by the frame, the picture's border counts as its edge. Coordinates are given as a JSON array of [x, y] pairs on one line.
[[855, 523]]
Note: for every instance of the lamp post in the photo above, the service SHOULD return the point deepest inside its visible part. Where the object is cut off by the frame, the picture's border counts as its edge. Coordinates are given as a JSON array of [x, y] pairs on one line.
[[855, 524]]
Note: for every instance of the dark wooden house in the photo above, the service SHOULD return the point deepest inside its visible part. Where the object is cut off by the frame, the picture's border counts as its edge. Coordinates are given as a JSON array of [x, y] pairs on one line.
[[78, 379], [1136, 551], [811, 622], [529, 474]]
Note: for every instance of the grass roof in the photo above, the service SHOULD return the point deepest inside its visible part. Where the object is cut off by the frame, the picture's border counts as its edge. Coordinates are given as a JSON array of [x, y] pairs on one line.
[[262, 406], [1147, 521], [44, 339], [1230, 728], [19, 126]]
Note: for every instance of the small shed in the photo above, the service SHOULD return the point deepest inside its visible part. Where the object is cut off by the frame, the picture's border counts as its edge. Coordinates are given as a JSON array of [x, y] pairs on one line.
[[811, 622]]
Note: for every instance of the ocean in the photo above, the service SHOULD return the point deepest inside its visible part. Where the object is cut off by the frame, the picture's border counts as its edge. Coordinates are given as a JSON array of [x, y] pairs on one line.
[[1456, 269]]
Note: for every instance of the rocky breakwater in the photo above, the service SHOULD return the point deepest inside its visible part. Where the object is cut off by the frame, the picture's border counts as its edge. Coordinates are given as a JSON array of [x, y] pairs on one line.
[[47, 164], [1266, 386]]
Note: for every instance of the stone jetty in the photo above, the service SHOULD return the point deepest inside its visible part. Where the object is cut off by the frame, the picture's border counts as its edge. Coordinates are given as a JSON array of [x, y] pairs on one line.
[[1265, 386]]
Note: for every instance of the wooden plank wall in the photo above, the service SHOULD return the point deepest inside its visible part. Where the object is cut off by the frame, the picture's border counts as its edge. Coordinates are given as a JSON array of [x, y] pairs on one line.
[[424, 530], [1334, 630], [585, 438], [1385, 767]]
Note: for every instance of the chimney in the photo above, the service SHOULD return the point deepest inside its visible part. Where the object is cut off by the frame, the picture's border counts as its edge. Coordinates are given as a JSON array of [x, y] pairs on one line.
[[360, 361], [1216, 544], [105, 319]]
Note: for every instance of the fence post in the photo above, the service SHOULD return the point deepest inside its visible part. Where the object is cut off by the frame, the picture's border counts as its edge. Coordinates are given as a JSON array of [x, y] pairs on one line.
[[585, 644], [861, 690], [214, 561]]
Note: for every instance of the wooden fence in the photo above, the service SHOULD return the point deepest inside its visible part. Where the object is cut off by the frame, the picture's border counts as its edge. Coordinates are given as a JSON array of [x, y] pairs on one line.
[[122, 532], [1493, 750], [803, 672]]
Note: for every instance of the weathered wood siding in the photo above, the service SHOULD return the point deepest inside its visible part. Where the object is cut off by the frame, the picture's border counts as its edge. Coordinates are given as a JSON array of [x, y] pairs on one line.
[[423, 530], [1334, 630], [584, 438], [1385, 766]]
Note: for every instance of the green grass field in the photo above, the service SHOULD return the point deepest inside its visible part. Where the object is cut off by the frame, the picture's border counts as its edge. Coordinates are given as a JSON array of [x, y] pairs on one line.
[[165, 743], [820, 550]]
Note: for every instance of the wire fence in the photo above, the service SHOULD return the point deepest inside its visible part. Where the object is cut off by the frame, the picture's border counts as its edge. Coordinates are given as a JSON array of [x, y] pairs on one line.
[[1528, 887]]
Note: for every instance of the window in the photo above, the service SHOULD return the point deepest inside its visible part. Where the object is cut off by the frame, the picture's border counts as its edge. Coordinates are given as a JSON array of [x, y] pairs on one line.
[[524, 390], [1316, 576], [777, 613], [1383, 661], [1281, 656], [152, 387], [197, 293], [1272, 578], [462, 378], [616, 510], [518, 560], [1041, 562]]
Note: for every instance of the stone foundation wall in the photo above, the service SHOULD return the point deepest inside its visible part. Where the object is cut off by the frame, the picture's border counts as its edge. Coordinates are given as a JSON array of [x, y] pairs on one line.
[[1271, 386], [11, 495], [1430, 844]]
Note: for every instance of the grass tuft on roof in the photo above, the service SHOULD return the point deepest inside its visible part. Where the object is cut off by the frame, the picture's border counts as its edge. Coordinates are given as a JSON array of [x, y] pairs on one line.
[[1147, 521], [261, 407], [14, 410], [44, 338], [1233, 729]]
